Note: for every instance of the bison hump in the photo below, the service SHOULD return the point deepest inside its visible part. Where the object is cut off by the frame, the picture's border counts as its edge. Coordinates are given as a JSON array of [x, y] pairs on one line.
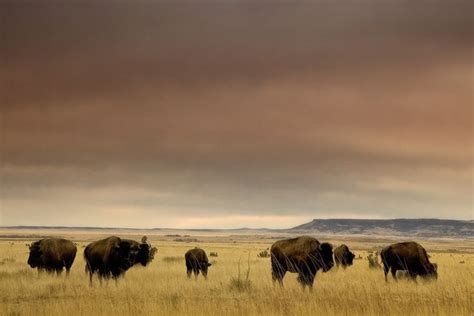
[[296, 247]]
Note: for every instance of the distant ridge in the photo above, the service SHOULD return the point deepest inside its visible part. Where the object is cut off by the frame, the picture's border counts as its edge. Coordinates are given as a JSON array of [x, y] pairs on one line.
[[419, 227]]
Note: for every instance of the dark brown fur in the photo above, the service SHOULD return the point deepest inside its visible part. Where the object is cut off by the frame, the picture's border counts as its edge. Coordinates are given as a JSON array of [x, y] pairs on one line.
[[343, 256], [140, 253], [52, 254], [409, 256], [196, 260], [112, 257], [303, 255]]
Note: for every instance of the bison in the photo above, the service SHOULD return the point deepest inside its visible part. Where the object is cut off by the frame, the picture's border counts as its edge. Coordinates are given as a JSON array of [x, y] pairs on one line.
[[343, 256], [409, 256], [303, 255], [196, 260], [52, 255], [113, 256]]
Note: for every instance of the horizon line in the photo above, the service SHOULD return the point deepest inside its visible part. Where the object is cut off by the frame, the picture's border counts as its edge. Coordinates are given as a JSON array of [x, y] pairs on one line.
[[224, 229]]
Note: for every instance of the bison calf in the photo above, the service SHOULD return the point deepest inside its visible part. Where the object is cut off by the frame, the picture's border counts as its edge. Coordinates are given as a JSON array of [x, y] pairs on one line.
[[343, 256], [52, 254], [196, 260], [409, 256], [303, 255]]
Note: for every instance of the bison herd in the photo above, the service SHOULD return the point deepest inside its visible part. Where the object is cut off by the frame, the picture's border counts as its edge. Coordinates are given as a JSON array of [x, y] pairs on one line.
[[112, 257]]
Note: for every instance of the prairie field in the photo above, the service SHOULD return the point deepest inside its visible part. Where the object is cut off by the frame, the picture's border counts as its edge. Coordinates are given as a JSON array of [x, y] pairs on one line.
[[239, 283]]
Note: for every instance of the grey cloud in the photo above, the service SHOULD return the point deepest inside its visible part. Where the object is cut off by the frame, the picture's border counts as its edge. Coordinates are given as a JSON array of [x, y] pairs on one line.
[[62, 52], [171, 111]]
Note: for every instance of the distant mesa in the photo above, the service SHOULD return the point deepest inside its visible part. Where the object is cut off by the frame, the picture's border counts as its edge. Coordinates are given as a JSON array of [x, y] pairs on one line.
[[421, 227]]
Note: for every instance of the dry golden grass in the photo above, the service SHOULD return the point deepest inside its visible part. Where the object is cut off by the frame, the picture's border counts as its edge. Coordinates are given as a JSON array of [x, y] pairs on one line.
[[162, 287]]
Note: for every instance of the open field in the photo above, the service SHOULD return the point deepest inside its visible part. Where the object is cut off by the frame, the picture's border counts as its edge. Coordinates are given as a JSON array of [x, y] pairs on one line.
[[162, 287]]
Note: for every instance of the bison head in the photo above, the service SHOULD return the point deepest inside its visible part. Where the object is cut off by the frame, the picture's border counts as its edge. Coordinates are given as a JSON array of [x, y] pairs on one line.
[[349, 258], [204, 267], [325, 252], [146, 252], [35, 258], [143, 254], [431, 270]]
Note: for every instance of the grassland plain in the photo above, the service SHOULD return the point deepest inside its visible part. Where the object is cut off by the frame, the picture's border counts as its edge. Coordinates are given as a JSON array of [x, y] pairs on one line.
[[162, 287]]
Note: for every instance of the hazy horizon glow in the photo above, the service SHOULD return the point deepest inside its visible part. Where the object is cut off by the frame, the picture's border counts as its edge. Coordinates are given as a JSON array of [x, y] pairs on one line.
[[236, 114]]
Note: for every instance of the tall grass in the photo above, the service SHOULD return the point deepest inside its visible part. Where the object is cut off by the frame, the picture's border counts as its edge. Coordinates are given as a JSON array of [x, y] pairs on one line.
[[241, 283], [162, 288]]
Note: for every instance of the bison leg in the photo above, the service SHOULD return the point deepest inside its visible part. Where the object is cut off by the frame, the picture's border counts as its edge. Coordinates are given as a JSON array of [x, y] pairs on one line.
[[189, 268], [306, 279], [412, 276], [278, 276], [394, 273], [40, 272], [196, 273], [115, 277], [302, 282], [385, 271], [278, 271], [68, 266], [101, 275]]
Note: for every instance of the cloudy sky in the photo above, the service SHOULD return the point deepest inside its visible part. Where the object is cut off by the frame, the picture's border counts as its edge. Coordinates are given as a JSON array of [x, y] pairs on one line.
[[234, 113]]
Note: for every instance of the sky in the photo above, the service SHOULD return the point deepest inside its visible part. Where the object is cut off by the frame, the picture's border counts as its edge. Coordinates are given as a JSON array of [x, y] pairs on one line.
[[225, 114]]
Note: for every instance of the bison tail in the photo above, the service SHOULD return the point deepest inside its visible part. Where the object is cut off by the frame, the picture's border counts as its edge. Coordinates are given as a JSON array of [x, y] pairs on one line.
[[86, 268]]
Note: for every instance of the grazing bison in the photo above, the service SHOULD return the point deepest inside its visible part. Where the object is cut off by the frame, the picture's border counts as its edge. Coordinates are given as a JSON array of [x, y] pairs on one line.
[[196, 260], [343, 256], [303, 255], [409, 256], [52, 254], [112, 257]]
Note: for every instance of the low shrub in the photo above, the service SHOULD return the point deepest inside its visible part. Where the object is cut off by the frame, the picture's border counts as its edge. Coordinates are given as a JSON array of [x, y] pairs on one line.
[[264, 254]]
